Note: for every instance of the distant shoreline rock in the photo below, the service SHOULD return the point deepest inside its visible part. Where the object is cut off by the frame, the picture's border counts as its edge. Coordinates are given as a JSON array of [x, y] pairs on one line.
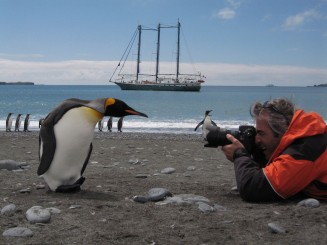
[[17, 83]]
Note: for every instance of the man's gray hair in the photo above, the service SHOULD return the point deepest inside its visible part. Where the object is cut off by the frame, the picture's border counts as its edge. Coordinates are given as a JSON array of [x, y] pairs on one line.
[[280, 113]]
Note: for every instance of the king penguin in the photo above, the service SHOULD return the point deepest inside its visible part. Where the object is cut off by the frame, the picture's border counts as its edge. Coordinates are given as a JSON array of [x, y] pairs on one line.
[[27, 123], [65, 141], [100, 125], [109, 124], [9, 122], [120, 124], [205, 122], [18, 122]]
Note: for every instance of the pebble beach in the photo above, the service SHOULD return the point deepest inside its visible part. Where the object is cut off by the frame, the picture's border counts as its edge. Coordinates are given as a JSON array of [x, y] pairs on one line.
[[144, 188]]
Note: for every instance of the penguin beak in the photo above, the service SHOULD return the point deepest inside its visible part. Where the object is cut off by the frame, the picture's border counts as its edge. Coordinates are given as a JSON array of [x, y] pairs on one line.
[[136, 113]]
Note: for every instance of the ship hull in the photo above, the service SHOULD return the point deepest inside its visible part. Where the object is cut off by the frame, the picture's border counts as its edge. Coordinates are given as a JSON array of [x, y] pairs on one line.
[[160, 87]]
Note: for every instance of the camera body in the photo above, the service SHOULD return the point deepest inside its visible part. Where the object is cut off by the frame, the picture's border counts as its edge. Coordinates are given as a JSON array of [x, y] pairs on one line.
[[216, 136]]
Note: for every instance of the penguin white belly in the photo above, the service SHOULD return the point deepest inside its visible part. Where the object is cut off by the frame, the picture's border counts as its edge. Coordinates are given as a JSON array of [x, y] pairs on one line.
[[9, 124], [206, 122], [74, 133]]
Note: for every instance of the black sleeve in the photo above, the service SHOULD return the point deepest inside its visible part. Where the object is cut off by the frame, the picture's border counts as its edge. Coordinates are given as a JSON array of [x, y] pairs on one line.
[[251, 181]]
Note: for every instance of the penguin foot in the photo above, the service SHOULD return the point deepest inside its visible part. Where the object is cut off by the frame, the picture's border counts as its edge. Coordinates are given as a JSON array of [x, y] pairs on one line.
[[71, 188]]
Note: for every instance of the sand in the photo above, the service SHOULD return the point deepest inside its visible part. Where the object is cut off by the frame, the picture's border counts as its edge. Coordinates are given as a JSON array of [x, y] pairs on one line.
[[103, 212]]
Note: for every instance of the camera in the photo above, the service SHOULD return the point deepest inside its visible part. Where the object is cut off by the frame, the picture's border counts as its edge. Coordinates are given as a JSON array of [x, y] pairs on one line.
[[216, 136]]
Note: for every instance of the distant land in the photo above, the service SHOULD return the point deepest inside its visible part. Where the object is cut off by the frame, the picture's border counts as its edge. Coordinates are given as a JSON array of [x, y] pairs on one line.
[[321, 85], [17, 83]]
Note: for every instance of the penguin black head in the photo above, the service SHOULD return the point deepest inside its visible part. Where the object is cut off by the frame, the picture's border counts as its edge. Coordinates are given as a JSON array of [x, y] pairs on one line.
[[117, 108], [207, 112]]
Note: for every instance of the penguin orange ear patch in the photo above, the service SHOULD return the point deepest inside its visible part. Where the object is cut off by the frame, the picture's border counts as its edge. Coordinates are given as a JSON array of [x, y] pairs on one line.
[[110, 101]]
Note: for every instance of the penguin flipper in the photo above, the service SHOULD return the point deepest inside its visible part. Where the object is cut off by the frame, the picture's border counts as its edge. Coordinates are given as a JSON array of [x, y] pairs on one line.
[[213, 123], [87, 159], [71, 188], [199, 124], [48, 140]]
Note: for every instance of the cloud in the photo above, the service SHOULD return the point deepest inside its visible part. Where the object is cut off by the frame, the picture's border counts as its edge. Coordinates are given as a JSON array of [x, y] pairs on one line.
[[62, 72], [234, 3], [297, 20], [228, 13], [225, 14], [250, 75], [84, 72]]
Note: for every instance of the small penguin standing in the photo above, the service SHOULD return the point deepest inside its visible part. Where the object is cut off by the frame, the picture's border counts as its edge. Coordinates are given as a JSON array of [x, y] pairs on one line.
[[18, 122], [120, 124], [65, 141], [100, 125], [9, 122], [205, 122], [109, 124], [27, 123]]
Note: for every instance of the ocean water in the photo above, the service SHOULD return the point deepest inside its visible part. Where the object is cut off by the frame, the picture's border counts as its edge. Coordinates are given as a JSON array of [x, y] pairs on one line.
[[169, 112]]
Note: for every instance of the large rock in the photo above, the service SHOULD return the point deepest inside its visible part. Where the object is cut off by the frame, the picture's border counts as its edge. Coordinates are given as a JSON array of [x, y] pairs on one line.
[[38, 214]]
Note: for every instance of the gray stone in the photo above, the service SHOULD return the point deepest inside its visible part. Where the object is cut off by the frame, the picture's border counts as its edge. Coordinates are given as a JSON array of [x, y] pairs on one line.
[[8, 209], [276, 228], [141, 176], [309, 203], [18, 232], [74, 206], [140, 199], [186, 198], [12, 165], [27, 190], [203, 203], [134, 161], [158, 194], [205, 207], [38, 214], [154, 195], [168, 171]]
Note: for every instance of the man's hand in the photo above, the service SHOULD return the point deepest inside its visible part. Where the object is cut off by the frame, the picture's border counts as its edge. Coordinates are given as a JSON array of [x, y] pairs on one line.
[[231, 148]]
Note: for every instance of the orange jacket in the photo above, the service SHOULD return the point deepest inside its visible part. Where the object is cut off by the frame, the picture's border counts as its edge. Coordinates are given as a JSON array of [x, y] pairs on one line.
[[299, 163]]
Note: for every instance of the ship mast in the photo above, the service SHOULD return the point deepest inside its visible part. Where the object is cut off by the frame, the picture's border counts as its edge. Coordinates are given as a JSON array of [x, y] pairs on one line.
[[178, 49], [158, 51], [138, 53]]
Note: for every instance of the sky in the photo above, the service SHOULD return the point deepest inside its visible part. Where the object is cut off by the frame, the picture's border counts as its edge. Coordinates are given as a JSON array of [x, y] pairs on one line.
[[231, 42]]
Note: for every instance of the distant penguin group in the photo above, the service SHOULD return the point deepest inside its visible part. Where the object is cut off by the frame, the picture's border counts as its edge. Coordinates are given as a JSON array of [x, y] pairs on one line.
[[66, 137], [9, 121], [109, 124]]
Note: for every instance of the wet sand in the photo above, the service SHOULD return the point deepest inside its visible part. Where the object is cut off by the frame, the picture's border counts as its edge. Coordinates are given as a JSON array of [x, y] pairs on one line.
[[103, 212]]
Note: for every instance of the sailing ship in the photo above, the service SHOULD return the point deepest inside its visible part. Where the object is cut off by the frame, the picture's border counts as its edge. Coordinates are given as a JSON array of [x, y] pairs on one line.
[[156, 81]]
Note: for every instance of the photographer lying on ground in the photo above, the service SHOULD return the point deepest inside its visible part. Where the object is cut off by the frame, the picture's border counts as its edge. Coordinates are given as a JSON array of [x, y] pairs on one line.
[[294, 144]]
